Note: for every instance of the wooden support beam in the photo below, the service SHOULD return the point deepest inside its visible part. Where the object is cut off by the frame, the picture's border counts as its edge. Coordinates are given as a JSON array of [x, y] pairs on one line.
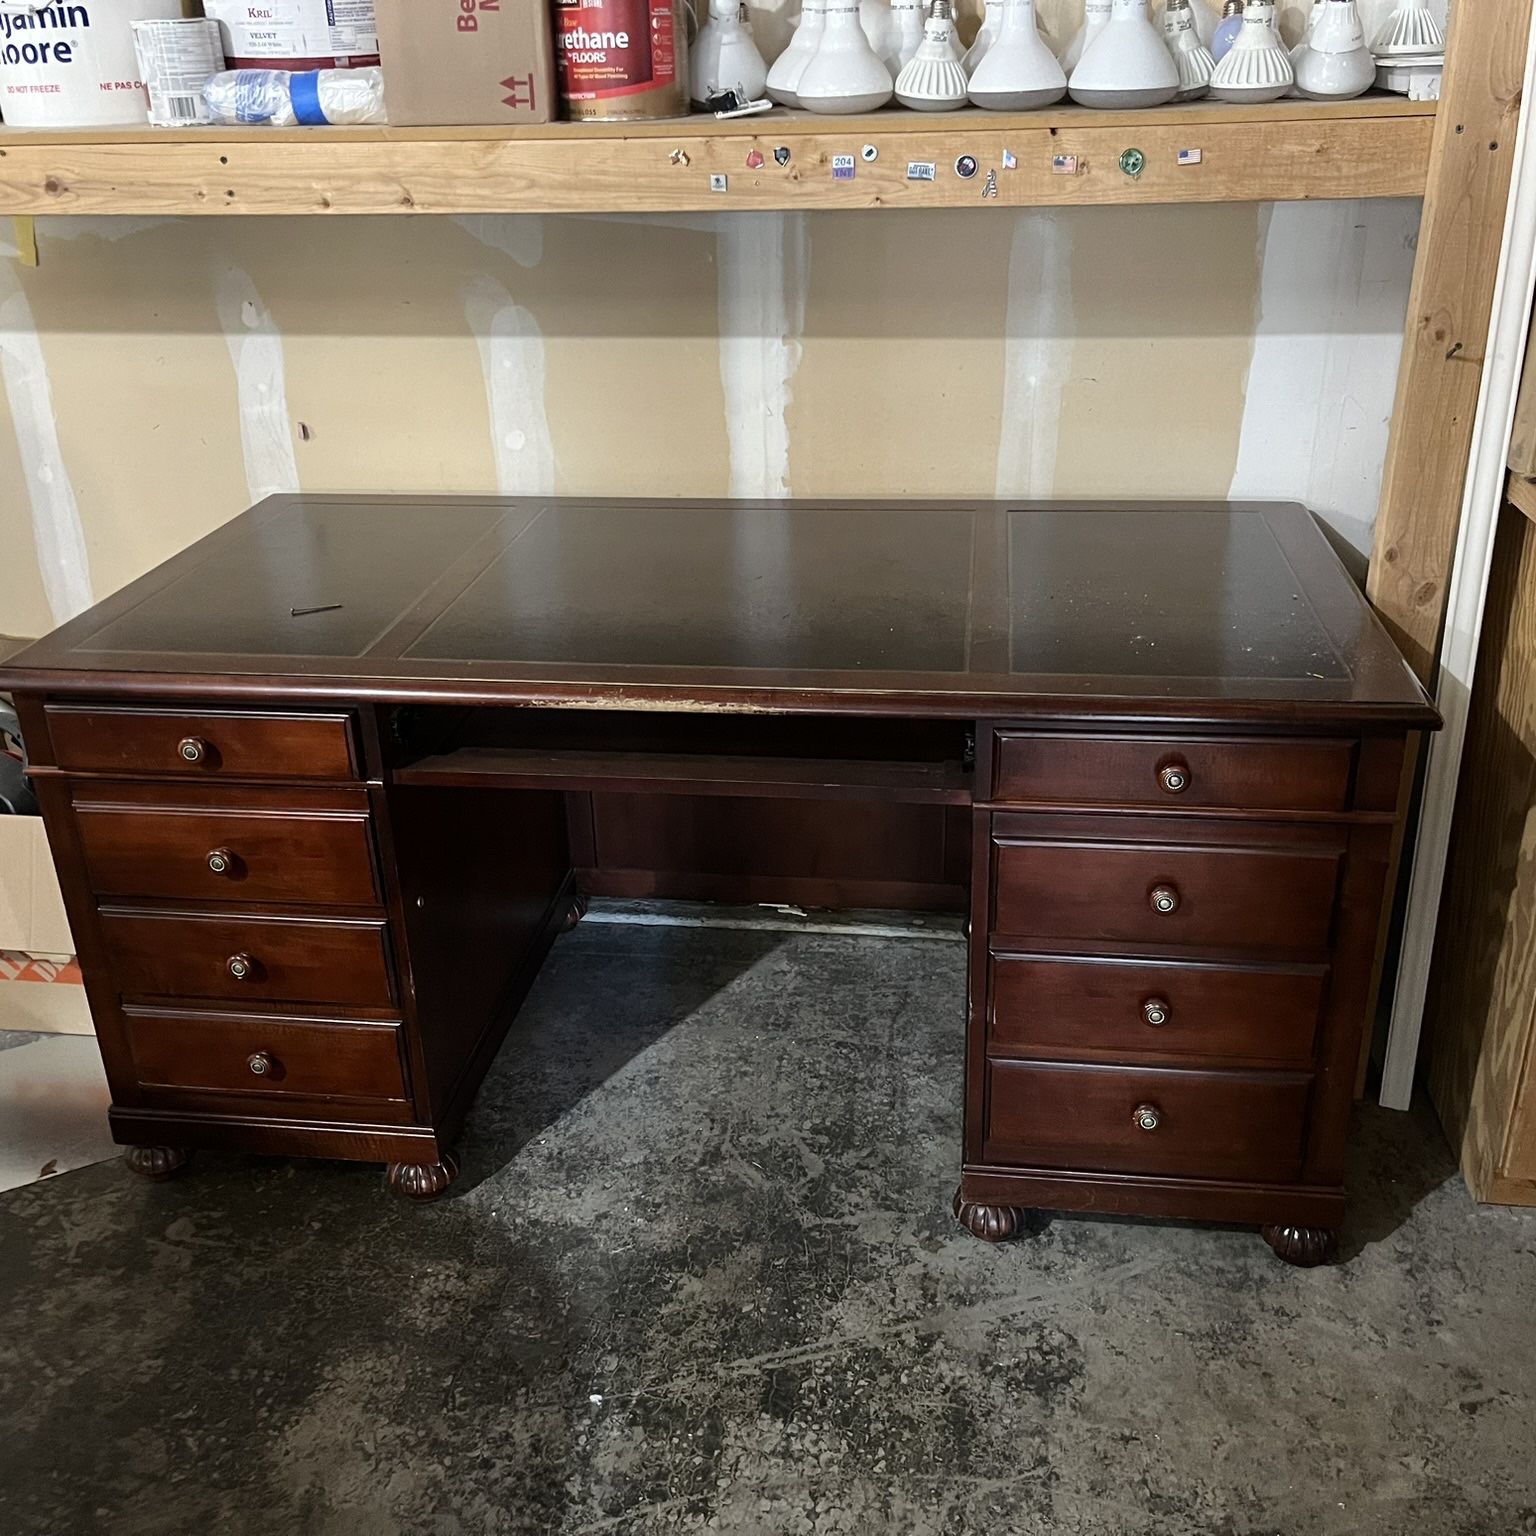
[[1204, 152], [1471, 160], [1522, 495]]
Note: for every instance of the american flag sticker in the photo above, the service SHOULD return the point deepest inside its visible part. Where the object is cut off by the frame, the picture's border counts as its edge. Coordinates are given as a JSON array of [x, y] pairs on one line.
[[1190, 157]]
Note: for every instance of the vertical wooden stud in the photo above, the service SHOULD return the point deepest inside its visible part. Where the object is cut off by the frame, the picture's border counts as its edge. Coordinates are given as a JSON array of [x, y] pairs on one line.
[[1449, 311]]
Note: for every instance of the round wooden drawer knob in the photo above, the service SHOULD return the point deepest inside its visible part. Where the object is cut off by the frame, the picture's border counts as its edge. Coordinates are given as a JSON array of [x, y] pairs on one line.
[[1174, 777], [241, 967], [1165, 899], [221, 861], [192, 749], [261, 1064], [1147, 1117], [1155, 1011]]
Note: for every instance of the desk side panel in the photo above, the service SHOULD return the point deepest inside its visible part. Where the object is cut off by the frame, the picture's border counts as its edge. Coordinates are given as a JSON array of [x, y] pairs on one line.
[[484, 880]]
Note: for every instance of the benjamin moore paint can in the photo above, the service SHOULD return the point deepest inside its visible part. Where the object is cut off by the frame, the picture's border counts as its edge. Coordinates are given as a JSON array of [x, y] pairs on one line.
[[622, 59], [73, 65]]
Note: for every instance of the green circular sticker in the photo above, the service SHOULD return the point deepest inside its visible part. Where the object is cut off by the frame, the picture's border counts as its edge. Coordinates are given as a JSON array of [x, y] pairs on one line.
[[1132, 162]]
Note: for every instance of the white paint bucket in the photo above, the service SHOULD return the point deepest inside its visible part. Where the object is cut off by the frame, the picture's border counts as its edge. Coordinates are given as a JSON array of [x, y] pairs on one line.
[[296, 34], [71, 64]]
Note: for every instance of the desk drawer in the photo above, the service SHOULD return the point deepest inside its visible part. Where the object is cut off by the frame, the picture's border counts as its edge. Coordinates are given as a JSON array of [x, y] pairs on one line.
[[1235, 898], [247, 958], [202, 744], [1176, 774], [274, 1058], [226, 844], [1218, 1125], [1069, 1007]]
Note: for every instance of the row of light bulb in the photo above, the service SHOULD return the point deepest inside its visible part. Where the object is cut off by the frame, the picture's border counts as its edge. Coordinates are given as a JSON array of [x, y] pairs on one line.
[[853, 55]]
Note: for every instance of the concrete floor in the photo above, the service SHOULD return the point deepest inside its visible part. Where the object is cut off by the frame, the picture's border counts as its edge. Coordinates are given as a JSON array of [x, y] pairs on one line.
[[53, 1105], [700, 1274]]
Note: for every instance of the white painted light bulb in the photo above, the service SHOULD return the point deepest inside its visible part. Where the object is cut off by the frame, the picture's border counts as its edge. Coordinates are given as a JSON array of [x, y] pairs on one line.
[[846, 75], [908, 19], [724, 57], [1258, 67], [1095, 18], [1127, 64], [1410, 29], [991, 21], [1019, 71], [933, 80], [784, 77], [1335, 63], [1191, 57], [879, 27]]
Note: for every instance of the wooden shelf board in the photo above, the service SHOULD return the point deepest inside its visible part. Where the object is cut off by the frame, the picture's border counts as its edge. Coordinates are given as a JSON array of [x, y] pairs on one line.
[[686, 774], [1377, 146]]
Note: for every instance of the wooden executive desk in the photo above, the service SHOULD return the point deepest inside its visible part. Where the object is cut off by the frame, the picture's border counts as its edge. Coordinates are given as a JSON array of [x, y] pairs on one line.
[[323, 789]]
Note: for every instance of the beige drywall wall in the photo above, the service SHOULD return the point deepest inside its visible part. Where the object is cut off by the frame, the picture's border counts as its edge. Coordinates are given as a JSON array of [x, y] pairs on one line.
[[159, 375]]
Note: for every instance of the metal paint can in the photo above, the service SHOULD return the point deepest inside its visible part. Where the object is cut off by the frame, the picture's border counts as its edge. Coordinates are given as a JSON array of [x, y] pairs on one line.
[[619, 60]]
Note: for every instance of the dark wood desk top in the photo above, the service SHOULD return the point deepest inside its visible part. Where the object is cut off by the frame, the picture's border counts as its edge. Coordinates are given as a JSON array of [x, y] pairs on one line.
[[1155, 610]]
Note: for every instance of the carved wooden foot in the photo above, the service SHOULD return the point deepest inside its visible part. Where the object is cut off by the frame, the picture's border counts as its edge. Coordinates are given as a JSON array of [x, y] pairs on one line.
[[991, 1223], [1305, 1247], [423, 1181], [574, 913], [157, 1162]]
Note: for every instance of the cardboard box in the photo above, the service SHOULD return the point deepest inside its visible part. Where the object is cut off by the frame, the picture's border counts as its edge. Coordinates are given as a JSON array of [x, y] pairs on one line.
[[32, 916], [467, 61]]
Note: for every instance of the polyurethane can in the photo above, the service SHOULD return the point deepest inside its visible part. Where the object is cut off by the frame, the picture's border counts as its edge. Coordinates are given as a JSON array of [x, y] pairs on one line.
[[619, 60]]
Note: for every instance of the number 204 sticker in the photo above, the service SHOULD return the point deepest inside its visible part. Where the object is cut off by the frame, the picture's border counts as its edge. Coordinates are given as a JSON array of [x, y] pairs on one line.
[[843, 167]]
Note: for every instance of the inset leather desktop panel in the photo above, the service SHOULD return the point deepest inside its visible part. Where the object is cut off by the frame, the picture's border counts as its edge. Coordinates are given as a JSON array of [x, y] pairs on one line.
[[1154, 592], [805, 588], [351, 569]]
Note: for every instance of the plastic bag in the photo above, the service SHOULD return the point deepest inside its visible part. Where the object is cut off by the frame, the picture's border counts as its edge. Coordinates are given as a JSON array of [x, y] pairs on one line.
[[285, 99]]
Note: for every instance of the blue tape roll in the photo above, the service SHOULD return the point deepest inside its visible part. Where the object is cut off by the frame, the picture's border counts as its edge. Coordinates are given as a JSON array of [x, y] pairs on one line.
[[305, 91]]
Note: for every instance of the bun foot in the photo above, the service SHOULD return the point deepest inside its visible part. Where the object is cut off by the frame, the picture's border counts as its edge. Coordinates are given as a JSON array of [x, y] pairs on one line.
[[991, 1223], [1305, 1247], [574, 913], [422, 1181], [157, 1162]]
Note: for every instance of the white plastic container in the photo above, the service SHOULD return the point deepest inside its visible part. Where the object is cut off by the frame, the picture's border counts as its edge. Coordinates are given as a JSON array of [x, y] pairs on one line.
[[177, 59], [72, 65], [296, 34]]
